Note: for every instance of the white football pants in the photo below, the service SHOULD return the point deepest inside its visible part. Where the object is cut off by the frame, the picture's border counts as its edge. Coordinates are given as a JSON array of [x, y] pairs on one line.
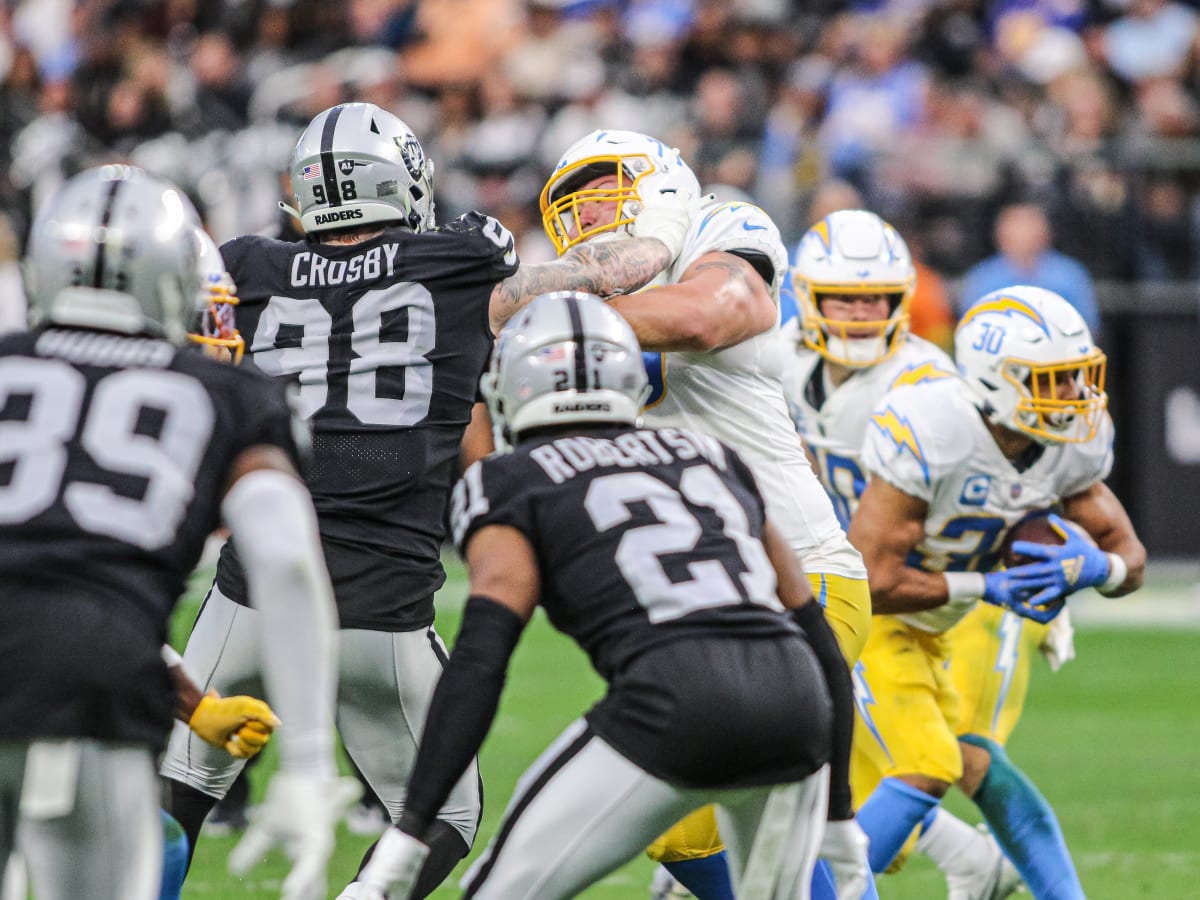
[[582, 810], [385, 683], [89, 821]]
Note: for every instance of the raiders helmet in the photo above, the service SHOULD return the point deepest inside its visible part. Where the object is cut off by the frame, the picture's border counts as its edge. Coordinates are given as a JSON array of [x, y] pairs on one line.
[[115, 249], [356, 164], [566, 358]]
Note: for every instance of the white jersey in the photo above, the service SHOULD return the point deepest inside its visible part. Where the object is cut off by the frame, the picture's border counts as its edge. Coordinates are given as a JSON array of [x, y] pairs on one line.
[[834, 421], [932, 443], [736, 394]]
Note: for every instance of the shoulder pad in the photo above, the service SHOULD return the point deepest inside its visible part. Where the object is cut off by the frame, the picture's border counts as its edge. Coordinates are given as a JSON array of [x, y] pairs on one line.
[[736, 226], [475, 222]]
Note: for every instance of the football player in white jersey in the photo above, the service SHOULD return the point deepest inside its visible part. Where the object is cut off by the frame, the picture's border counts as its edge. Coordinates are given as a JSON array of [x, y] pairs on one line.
[[709, 324], [854, 279], [953, 466]]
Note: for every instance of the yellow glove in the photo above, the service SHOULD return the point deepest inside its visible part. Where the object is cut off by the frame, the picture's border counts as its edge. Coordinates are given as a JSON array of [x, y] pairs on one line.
[[242, 725]]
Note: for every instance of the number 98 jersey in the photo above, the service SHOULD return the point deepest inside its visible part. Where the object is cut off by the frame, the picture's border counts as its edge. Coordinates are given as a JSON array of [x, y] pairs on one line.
[[115, 452], [642, 536], [385, 340]]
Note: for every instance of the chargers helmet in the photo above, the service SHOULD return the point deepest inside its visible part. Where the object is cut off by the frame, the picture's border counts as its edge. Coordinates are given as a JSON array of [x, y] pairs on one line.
[[850, 252], [643, 166], [566, 357], [115, 249], [355, 164], [218, 297], [1029, 358]]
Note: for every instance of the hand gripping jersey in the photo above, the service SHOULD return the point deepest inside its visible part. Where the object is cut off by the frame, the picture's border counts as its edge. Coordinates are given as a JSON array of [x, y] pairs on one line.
[[834, 420], [114, 455], [386, 340], [736, 395], [932, 443], [643, 538]]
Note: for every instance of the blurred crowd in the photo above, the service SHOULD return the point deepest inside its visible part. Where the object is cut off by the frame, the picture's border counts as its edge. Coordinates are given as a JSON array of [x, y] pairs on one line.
[[937, 112]]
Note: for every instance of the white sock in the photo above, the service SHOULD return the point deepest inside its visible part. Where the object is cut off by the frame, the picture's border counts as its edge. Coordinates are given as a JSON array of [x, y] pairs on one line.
[[956, 847]]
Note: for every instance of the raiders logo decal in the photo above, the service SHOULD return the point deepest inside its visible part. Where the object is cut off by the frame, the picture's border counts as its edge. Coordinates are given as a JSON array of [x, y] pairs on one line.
[[410, 152]]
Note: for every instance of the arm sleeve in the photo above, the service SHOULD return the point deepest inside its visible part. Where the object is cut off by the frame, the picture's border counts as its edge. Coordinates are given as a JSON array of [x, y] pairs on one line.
[[275, 531], [811, 619], [463, 707]]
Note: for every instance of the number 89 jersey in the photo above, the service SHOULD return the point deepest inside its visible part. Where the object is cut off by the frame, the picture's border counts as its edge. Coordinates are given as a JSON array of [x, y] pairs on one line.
[[930, 441], [386, 340], [642, 536], [114, 454]]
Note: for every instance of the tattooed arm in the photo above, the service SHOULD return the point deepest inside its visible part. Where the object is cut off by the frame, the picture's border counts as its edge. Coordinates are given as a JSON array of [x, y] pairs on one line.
[[720, 301], [599, 267]]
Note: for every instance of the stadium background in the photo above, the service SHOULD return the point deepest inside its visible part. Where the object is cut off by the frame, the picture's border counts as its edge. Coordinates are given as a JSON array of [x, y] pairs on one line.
[[938, 111]]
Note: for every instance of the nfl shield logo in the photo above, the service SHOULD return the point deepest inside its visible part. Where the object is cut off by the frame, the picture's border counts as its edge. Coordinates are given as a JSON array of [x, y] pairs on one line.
[[1015, 491], [311, 171]]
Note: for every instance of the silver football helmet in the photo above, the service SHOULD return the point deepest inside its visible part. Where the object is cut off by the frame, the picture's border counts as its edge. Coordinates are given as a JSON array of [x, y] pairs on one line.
[[355, 164], [566, 358], [643, 166], [115, 249], [853, 252], [1029, 358]]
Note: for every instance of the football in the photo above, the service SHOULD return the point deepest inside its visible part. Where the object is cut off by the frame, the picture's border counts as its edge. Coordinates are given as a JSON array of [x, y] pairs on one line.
[[1036, 529]]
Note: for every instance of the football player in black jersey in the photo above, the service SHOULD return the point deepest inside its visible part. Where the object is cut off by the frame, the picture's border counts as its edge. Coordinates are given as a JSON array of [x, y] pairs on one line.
[[384, 321], [650, 548], [120, 453]]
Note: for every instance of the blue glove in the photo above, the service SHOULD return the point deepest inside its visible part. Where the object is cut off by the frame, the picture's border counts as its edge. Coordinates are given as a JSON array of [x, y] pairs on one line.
[[1078, 563], [1015, 589]]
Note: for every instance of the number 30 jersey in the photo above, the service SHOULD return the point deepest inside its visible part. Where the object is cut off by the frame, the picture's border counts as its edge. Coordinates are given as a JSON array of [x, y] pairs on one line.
[[930, 442], [115, 452], [386, 340], [642, 536]]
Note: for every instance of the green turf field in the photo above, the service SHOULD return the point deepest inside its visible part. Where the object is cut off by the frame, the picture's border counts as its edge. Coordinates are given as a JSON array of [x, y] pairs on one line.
[[1111, 740]]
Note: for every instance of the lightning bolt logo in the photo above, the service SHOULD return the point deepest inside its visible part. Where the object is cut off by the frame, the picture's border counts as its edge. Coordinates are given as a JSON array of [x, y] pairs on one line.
[[1009, 632], [919, 373], [897, 429], [821, 232], [1006, 306], [863, 701]]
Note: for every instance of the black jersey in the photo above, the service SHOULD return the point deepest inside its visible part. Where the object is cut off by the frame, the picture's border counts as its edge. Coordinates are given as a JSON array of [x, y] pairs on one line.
[[386, 340], [114, 455], [650, 557], [642, 536]]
